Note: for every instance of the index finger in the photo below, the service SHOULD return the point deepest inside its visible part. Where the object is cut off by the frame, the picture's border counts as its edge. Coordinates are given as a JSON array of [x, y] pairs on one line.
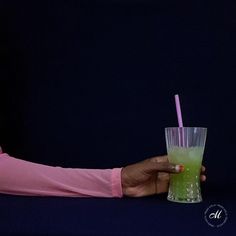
[[152, 167], [159, 159]]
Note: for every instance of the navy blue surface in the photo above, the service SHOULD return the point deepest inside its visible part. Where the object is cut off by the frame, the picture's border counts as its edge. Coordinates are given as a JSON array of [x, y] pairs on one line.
[[91, 84], [128, 216]]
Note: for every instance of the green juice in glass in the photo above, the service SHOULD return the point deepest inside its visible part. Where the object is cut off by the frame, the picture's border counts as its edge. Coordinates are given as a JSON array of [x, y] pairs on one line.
[[185, 187]]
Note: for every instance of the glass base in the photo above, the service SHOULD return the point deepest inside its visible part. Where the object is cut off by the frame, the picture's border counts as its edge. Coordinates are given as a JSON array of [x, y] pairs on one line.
[[181, 200], [184, 189]]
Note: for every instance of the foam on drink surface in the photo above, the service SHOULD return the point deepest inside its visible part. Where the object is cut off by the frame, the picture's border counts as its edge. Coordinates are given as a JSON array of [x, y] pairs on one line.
[[182, 155]]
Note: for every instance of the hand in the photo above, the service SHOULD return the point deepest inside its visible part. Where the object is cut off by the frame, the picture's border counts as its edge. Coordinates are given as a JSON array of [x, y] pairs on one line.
[[150, 176]]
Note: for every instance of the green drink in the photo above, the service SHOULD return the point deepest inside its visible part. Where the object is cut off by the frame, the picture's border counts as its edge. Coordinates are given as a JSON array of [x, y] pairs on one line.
[[185, 187], [185, 145]]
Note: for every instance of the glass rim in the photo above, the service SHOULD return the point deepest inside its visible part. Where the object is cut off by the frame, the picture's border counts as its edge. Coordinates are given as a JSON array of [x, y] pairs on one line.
[[186, 127]]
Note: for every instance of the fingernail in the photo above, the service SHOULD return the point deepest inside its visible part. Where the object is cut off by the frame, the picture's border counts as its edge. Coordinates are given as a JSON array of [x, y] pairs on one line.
[[179, 168]]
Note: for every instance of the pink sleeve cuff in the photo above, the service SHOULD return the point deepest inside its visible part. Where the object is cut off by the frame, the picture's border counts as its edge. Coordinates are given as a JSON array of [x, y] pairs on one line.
[[116, 183]]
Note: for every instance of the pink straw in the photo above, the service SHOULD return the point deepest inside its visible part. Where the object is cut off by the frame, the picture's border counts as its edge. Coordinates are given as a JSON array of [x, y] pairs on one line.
[[178, 110]]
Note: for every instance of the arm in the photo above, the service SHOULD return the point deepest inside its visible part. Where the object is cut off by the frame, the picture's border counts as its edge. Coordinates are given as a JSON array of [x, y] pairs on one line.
[[19, 177], [148, 177]]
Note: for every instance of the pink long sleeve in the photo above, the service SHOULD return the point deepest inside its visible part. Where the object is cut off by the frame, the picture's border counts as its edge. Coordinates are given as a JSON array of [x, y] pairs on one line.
[[20, 177]]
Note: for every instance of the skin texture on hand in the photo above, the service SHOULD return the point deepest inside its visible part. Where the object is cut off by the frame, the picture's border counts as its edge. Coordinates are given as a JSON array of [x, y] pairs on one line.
[[149, 177]]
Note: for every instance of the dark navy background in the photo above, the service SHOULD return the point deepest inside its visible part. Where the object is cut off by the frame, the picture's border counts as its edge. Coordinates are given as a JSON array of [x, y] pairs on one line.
[[92, 83]]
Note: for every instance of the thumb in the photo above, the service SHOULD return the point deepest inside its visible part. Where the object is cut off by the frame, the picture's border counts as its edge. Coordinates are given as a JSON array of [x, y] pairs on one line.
[[164, 167]]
